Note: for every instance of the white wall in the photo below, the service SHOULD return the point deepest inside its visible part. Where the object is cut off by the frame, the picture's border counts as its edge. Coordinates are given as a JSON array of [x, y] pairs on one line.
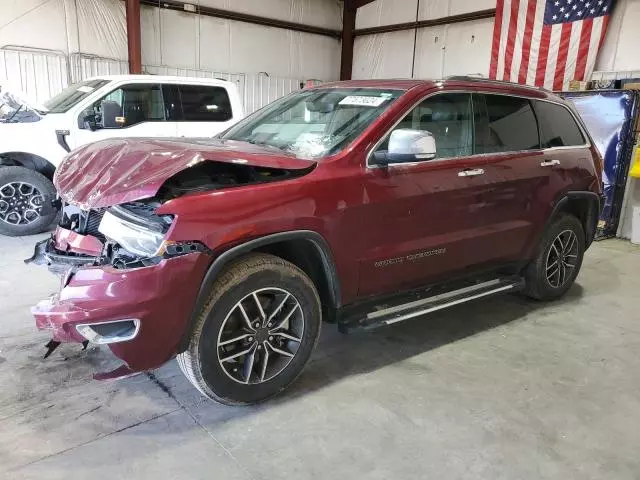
[[463, 48], [94, 27], [266, 62], [455, 49], [620, 49], [180, 39], [194, 41]]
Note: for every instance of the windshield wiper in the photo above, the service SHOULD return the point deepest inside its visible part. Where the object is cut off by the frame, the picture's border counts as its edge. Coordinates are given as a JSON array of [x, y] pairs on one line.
[[14, 114], [265, 144]]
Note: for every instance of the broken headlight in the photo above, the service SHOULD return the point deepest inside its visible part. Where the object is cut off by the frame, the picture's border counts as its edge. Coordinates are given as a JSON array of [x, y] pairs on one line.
[[136, 238]]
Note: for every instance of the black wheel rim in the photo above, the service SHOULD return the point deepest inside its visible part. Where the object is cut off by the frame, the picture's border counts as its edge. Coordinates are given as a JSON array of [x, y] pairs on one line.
[[562, 258], [20, 203], [260, 336]]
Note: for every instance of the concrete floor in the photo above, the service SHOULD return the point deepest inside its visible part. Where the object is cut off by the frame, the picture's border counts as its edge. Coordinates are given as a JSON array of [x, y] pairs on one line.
[[500, 389]]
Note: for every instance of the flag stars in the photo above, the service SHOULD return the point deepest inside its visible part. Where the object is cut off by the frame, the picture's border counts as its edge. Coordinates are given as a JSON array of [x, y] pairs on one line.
[[580, 12], [562, 9], [575, 7], [555, 17], [557, 3]]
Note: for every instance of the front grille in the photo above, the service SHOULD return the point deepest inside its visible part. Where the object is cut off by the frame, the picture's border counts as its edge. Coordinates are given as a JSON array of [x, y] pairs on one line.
[[93, 220]]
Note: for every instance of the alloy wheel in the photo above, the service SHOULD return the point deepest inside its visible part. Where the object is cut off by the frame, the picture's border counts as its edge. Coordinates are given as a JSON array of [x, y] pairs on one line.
[[20, 203], [260, 336], [562, 258]]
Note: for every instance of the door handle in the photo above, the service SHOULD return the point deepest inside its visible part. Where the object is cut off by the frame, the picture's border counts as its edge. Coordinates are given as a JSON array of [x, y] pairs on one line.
[[471, 172], [550, 163]]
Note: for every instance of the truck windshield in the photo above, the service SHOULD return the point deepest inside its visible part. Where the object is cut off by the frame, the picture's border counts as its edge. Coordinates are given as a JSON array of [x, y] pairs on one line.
[[72, 95], [314, 123]]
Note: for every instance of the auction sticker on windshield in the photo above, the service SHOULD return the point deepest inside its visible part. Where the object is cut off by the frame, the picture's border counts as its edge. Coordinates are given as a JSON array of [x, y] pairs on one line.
[[363, 101]]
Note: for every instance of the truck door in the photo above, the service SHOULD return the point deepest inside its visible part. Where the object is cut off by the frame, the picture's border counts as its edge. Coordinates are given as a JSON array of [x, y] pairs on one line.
[[132, 110]]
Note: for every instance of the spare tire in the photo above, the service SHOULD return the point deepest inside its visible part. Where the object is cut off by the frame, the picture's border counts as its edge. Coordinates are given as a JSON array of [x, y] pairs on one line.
[[23, 194]]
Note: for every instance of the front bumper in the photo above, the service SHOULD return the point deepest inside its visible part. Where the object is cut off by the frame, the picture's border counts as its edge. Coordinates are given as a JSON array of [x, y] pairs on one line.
[[161, 297]]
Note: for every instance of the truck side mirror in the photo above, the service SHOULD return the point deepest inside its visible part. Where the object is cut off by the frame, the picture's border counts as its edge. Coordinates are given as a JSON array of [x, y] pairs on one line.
[[88, 121]]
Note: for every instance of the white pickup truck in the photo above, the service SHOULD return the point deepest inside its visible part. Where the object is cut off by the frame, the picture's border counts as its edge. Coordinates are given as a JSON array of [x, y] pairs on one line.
[[34, 139]]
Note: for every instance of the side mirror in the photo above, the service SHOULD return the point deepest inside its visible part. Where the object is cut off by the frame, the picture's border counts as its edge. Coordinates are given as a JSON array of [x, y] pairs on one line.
[[408, 145], [89, 121]]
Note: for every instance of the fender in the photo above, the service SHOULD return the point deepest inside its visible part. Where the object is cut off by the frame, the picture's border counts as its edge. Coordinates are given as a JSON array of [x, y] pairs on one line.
[[591, 222], [28, 160], [225, 258]]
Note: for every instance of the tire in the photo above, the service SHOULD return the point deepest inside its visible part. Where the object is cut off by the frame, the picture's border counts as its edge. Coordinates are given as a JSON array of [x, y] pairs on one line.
[[30, 190], [542, 283], [206, 363]]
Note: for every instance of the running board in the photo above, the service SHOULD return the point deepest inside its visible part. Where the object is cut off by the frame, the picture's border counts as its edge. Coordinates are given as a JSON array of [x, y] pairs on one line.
[[406, 311]]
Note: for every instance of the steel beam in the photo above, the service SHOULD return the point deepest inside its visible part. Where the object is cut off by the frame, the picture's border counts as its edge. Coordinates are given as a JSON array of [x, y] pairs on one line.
[[396, 27], [349, 10], [240, 17], [134, 42]]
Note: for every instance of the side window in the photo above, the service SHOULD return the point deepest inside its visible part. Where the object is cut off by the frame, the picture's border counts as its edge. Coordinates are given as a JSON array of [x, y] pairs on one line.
[[129, 105], [201, 103], [558, 128], [504, 124], [447, 117], [172, 105]]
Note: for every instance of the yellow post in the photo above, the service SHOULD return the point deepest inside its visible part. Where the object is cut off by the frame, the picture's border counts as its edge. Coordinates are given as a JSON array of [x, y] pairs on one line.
[[635, 168]]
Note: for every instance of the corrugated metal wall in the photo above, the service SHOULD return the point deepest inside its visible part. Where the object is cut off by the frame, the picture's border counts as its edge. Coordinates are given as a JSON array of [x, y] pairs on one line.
[[86, 66], [262, 89], [42, 74], [38, 73]]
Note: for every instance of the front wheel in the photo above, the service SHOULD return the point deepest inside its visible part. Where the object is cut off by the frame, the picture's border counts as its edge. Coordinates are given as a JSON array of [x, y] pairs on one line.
[[558, 259], [255, 333], [23, 194]]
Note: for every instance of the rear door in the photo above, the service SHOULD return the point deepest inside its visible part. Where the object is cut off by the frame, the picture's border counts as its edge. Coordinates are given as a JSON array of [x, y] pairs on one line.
[[206, 110], [131, 110], [567, 160], [424, 221], [506, 133]]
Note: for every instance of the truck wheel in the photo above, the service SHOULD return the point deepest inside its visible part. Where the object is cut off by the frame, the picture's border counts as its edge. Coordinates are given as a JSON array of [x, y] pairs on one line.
[[255, 333], [558, 260], [23, 193]]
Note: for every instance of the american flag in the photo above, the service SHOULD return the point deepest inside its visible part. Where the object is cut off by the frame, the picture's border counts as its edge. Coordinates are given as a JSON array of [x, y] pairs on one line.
[[547, 43]]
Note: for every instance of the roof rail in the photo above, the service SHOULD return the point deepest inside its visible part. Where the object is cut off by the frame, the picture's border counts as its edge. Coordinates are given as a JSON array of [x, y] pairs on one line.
[[469, 78]]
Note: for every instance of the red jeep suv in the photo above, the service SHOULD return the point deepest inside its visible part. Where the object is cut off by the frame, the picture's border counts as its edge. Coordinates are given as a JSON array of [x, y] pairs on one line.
[[361, 203]]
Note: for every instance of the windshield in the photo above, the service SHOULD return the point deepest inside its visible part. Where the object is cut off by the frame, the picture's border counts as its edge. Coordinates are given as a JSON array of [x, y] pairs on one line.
[[314, 123], [72, 95]]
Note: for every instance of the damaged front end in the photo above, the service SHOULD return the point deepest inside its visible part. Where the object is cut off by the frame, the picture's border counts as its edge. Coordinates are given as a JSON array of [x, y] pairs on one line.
[[122, 284], [122, 236]]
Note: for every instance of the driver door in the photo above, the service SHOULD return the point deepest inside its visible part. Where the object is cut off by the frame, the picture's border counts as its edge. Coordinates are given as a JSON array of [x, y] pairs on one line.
[[424, 219], [133, 110]]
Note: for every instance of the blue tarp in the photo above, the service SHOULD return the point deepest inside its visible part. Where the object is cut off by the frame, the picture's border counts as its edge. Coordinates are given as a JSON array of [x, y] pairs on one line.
[[610, 117]]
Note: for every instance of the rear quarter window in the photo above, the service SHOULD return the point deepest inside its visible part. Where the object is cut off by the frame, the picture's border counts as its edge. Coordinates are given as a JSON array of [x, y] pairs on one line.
[[558, 127]]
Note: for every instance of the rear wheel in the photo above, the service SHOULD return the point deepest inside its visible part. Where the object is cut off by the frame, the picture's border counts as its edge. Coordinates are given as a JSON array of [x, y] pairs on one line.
[[558, 259], [23, 194], [255, 333]]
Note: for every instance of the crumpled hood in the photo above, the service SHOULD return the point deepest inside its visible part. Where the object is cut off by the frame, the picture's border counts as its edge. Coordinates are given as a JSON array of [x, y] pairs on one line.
[[110, 172]]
